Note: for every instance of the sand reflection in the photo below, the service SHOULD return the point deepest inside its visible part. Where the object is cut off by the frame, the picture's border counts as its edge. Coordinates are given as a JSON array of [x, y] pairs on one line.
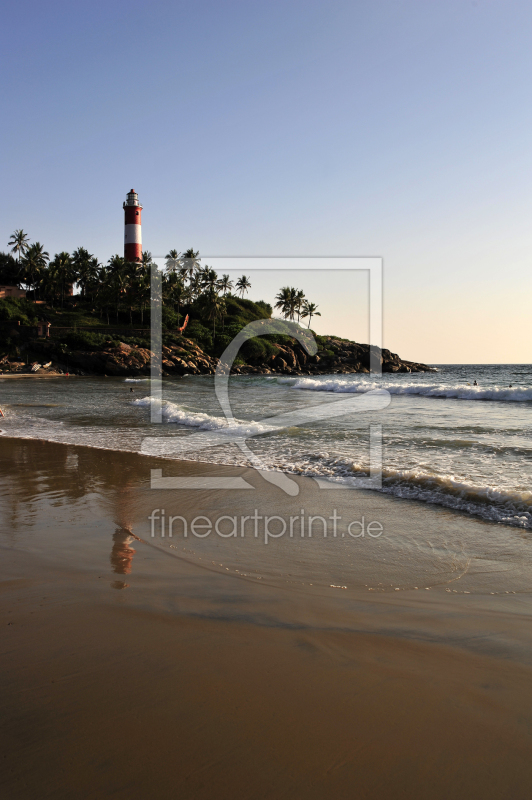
[[122, 555]]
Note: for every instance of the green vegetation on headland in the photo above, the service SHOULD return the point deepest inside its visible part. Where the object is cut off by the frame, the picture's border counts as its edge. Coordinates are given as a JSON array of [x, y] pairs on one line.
[[105, 328]]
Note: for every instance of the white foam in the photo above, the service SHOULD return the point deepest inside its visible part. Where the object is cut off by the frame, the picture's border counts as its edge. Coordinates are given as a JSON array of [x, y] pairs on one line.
[[466, 490], [171, 412], [515, 394], [494, 504]]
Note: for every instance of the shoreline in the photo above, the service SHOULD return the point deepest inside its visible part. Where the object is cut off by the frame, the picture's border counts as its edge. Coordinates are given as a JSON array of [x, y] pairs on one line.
[[137, 467], [442, 502], [238, 371], [42, 375], [190, 465]]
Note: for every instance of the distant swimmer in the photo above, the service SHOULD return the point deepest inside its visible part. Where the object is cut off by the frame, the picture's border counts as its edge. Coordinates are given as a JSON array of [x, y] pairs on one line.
[[475, 383], [1, 413], [131, 390], [510, 386]]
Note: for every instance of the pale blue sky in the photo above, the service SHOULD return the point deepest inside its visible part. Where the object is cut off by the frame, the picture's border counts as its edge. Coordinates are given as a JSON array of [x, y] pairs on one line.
[[398, 129]]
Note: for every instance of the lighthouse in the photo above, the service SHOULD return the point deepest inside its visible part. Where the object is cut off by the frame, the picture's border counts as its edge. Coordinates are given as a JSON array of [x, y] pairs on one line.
[[132, 228]]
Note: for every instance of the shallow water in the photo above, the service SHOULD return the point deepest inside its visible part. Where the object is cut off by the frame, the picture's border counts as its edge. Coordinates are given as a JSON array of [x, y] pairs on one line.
[[94, 510], [445, 441]]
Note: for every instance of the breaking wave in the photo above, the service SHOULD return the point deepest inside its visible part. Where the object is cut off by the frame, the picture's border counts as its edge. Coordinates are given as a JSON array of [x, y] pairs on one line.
[[463, 391], [172, 413], [510, 507]]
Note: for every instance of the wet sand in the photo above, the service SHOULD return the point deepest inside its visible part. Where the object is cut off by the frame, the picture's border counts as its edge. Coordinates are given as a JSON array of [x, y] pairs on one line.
[[134, 667]]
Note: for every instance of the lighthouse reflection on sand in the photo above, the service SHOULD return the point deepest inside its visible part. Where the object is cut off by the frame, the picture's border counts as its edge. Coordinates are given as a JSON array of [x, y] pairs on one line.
[[233, 431]]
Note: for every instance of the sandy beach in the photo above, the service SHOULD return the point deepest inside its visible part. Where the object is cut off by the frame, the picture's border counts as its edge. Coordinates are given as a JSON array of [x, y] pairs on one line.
[[137, 666]]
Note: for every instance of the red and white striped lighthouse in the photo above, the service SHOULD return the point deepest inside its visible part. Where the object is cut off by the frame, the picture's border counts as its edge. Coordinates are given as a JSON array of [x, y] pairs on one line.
[[132, 228]]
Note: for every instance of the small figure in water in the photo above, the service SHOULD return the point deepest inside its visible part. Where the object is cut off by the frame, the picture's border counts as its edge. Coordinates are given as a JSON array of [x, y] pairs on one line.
[[510, 386], [131, 390], [475, 383], [1, 413]]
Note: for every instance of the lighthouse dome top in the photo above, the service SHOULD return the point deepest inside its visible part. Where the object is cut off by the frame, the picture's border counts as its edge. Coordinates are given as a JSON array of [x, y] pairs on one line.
[[132, 198]]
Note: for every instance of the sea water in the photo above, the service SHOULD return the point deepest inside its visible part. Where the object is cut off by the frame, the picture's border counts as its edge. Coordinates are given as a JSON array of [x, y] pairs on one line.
[[445, 440]]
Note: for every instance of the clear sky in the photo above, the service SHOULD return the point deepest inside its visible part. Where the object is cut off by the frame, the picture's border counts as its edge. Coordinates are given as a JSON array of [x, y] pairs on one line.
[[399, 129]]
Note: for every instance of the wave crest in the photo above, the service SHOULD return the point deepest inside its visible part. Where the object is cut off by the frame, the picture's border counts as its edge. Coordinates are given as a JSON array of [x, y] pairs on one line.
[[172, 413], [515, 394]]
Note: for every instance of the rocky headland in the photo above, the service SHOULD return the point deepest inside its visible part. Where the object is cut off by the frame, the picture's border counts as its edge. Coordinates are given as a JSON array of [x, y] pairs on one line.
[[334, 356]]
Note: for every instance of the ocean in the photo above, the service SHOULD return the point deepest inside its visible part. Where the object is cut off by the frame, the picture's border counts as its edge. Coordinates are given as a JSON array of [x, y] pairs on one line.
[[445, 440]]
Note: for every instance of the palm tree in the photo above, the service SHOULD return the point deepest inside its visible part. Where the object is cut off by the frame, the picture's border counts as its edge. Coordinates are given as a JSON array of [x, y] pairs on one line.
[[140, 278], [215, 306], [91, 278], [61, 273], [82, 268], [184, 272], [309, 310], [10, 270], [287, 301], [173, 262], [242, 285], [19, 243], [52, 284], [225, 284], [146, 259], [117, 278], [209, 279], [195, 285], [134, 271], [105, 292], [282, 300], [143, 290], [173, 289], [299, 301], [190, 262], [34, 262]]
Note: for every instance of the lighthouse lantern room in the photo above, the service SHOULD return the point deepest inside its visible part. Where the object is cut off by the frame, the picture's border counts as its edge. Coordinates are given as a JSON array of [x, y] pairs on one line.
[[132, 228]]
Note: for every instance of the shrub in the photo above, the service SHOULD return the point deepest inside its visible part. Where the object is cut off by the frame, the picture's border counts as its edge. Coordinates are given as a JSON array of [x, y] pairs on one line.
[[85, 340], [257, 349], [247, 310], [222, 341], [200, 334], [17, 308], [169, 318], [234, 327], [265, 307]]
